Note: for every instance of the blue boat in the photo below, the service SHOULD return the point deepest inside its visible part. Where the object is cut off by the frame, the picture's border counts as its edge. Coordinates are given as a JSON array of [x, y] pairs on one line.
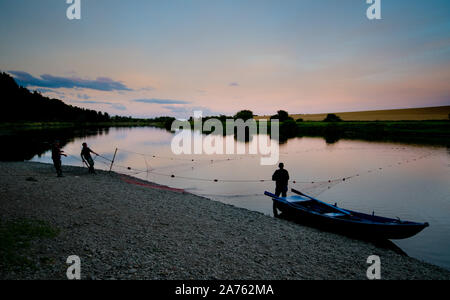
[[310, 211]]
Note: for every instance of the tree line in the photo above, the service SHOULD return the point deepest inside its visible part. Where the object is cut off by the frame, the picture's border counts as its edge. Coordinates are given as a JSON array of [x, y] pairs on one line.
[[19, 105]]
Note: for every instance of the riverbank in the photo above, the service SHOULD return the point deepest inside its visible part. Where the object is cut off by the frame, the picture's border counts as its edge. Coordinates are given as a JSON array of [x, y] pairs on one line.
[[128, 229], [420, 132], [432, 132], [12, 127]]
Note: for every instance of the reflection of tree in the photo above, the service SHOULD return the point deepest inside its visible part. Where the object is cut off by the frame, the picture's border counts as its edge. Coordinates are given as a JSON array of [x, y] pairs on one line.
[[332, 133], [25, 144], [331, 139], [247, 137]]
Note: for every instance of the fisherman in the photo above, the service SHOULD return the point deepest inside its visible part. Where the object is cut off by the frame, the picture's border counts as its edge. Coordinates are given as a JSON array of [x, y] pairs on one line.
[[87, 158], [281, 177], [56, 157]]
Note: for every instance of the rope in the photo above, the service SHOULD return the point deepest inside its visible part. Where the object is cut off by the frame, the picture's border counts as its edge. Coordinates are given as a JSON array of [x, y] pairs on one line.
[[183, 159], [314, 187], [229, 195], [332, 181]]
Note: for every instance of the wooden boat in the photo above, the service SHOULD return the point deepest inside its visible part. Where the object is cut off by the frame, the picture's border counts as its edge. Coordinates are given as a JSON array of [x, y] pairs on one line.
[[311, 211]]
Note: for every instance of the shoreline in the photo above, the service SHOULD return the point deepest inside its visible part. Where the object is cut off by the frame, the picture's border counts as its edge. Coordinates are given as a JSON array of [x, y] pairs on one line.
[[122, 230]]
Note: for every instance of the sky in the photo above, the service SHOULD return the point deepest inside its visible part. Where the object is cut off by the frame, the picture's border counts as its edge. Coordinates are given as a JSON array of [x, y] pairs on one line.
[[147, 58]]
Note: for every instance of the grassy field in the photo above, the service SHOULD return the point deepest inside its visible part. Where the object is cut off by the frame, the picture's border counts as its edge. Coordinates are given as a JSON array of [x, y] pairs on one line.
[[411, 114], [428, 132], [16, 238]]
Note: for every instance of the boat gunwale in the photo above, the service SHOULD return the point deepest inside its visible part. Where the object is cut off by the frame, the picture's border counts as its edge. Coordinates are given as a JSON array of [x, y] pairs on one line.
[[365, 220]]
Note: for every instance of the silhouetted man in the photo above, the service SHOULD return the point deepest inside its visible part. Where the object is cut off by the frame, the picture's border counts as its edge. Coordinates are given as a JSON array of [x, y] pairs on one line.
[[56, 157], [281, 177], [86, 157]]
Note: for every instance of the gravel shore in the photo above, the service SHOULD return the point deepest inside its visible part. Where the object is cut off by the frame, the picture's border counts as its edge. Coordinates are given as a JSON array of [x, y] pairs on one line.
[[122, 230]]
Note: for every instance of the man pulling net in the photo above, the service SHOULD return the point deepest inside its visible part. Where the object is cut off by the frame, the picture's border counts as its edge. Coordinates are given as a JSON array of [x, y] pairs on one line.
[[87, 158]]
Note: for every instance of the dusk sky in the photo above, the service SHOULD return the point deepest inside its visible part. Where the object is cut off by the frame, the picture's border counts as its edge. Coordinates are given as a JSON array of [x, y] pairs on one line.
[[148, 58]]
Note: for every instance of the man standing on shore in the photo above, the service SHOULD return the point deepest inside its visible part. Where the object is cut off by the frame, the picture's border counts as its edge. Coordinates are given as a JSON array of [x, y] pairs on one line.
[[86, 157], [56, 157], [281, 178]]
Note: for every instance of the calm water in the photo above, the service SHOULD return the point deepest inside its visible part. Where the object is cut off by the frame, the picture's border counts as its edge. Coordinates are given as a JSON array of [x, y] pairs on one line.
[[413, 183]]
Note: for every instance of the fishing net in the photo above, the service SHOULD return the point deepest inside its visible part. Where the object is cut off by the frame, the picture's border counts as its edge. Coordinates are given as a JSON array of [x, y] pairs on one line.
[[165, 168]]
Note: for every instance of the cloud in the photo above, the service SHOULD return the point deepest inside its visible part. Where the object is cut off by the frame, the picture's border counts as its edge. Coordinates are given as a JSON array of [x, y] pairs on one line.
[[186, 112], [43, 90], [119, 106], [91, 102], [83, 96], [234, 84], [147, 89], [116, 106], [177, 109], [50, 91], [50, 81], [161, 101]]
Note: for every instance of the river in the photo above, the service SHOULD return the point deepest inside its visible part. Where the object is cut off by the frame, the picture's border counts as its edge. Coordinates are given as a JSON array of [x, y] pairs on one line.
[[393, 180]]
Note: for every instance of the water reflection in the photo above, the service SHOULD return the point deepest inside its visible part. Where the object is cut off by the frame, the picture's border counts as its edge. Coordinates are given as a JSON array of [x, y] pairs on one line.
[[26, 144], [408, 181]]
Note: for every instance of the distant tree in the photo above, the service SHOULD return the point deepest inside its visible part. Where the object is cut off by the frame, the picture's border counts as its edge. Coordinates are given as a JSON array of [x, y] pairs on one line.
[[168, 123], [223, 118], [282, 116], [299, 120], [332, 118], [244, 115]]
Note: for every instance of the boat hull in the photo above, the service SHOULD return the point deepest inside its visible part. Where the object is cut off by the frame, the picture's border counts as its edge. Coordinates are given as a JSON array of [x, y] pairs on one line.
[[359, 225]]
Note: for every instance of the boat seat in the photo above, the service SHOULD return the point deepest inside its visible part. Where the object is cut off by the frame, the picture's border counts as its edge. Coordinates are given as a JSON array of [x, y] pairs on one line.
[[334, 215], [295, 198]]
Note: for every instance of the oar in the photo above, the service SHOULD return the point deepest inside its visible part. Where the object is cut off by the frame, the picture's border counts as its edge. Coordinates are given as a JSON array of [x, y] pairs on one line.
[[324, 203], [276, 197]]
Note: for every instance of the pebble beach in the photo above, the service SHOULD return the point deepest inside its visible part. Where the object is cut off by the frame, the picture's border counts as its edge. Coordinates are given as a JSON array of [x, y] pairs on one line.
[[126, 228]]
